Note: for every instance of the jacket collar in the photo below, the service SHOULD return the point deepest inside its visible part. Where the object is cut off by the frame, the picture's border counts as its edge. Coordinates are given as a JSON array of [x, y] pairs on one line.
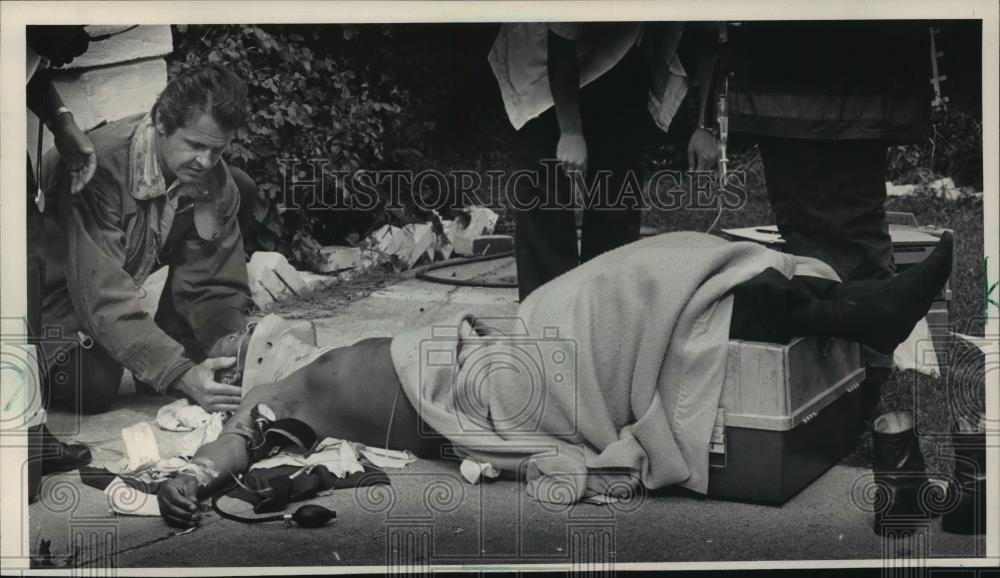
[[147, 182]]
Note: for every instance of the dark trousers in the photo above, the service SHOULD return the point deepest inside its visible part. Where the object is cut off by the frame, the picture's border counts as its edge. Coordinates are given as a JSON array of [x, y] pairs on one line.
[[828, 198], [829, 201], [91, 384], [613, 112], [35, 228]]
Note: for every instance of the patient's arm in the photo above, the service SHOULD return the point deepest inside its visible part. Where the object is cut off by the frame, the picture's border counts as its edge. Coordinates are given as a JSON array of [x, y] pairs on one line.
[[216, 461], [347, 393], [216, 464]]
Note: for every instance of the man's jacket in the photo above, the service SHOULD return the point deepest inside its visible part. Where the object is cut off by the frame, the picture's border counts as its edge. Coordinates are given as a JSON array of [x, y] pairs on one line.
[[830, 79], [104, 242]]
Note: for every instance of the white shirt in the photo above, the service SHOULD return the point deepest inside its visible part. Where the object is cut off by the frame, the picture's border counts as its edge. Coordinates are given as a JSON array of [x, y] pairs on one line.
[[519, 59]]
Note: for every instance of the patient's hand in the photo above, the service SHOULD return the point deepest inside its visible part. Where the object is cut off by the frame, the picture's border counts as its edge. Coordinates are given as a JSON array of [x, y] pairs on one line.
[[178, 500]]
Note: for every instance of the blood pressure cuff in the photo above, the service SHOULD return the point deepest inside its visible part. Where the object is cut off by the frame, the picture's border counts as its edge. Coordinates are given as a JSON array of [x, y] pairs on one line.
[[270, 436], [272, 489]]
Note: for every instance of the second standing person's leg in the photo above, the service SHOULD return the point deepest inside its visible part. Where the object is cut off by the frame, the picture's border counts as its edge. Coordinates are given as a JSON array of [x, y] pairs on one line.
[[829, 201], [614, 118]]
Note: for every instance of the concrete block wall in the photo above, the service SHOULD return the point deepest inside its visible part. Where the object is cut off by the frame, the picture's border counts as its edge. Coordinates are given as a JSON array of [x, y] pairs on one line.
[[115, 78]]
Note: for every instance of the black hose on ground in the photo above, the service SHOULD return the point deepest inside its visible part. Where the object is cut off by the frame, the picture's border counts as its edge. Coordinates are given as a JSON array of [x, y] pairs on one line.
[[423, 273]]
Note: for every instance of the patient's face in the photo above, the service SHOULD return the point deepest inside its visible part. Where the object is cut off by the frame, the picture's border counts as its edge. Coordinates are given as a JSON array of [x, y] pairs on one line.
[[227, 345]]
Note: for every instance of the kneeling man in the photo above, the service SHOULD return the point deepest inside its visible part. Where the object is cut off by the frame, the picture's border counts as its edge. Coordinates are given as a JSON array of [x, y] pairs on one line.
[[161, 196]]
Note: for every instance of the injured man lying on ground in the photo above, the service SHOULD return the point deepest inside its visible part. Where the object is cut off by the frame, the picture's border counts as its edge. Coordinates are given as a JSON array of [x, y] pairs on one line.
[[611, 378]]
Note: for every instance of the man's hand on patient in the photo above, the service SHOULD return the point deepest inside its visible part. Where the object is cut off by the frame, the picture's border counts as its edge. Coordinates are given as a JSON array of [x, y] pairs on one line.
[[200, 385], [178, 500]]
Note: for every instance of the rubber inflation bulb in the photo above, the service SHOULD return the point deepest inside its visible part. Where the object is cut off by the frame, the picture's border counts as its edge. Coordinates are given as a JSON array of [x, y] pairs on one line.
[[313, 516]]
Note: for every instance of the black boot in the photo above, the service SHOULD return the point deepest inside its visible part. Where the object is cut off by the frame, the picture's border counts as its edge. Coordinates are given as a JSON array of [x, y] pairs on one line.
[[48, 455], [926, 277], [899, 469], [969, 481], [879, 314], [58, 456]]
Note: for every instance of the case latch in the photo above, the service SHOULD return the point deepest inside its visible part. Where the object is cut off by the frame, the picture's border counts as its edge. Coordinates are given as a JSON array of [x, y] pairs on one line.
[[717, 444]]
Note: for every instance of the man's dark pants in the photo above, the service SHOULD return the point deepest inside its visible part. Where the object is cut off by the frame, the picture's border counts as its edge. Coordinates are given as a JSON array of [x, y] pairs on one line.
[[613, 114], [93, 386], [828, 197]]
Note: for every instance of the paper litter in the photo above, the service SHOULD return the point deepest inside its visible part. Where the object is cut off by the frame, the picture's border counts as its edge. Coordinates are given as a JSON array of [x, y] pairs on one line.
[[474, 471], [383, 458], [140, 445], [340, 457], [917, 352], [207, 432], [181, 415]]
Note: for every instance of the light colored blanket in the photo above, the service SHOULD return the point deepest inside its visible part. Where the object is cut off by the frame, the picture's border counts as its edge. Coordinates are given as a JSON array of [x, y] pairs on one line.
[[617, 366]]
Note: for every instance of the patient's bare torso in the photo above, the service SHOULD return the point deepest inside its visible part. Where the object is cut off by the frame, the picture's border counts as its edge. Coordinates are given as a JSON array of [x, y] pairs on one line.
[[349, 393]]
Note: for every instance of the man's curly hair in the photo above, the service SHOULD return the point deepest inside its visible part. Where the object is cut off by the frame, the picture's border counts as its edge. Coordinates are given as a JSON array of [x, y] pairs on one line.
[[212, 89]]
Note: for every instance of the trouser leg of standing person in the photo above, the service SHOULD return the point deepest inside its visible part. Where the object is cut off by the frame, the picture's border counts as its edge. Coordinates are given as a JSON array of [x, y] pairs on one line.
[[614, 120], [616, 219], [46, 454], [828, 197], [545, 244], [36, 281], [613, 112]]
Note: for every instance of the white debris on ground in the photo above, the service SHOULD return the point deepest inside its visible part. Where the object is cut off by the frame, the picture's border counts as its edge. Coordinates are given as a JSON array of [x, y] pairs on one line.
[[140, 446], [943, 188], [917, 352], [340, 457], [272, 278], [181, 415], [482, 221], [411, 244], [334, 259], [894, 190], [474, 471]]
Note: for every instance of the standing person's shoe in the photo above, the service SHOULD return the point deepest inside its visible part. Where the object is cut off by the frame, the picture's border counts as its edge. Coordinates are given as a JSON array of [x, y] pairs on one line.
[[899, 469], [969, 482], [879, 314], [54, 456], [57, 456]]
